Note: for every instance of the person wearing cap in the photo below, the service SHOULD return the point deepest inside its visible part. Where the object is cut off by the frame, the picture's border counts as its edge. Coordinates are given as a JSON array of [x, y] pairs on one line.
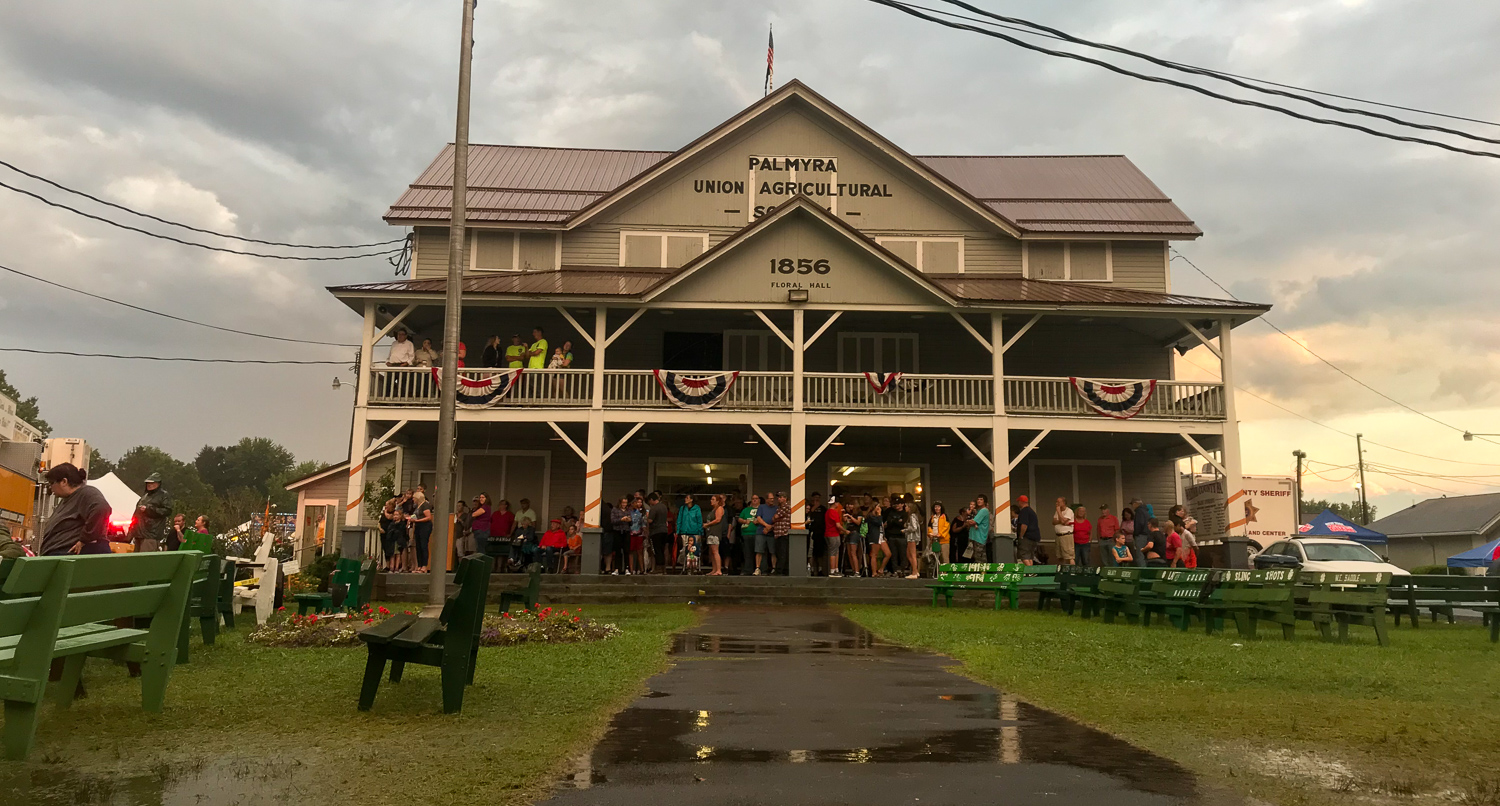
[[80, 522], [515, 354], [1028, 531], [554, 541], [9, 548], [153, 513], [536, 354]]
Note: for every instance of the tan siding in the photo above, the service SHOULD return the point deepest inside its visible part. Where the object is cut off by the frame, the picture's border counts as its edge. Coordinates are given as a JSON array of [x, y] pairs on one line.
[[1140, 265], [593, 246], [431, 260]]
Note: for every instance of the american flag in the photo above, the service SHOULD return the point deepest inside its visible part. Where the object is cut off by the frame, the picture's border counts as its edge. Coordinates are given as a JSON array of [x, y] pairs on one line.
[[770, 57]]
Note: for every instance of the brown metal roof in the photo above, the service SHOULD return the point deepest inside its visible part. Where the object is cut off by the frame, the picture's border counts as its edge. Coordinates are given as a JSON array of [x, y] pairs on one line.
[[1084, 194], [974, 288], [591, 281]]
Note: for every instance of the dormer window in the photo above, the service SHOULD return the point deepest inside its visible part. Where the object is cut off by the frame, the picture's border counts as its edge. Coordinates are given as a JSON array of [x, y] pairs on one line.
[[660, 250], [927, 255], [1068, 261], [504, 250]]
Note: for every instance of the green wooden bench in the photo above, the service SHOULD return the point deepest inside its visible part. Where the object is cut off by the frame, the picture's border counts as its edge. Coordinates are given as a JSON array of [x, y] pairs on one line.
[[1174, 595], [1042, 580], [203, 604], [1326, 598], [1121, 590], [1002, 579], [1249, 597], [346, 587], [63, 607], [449, 642], [1441, 595], [526, 595], [1075, 586], [227, 572]]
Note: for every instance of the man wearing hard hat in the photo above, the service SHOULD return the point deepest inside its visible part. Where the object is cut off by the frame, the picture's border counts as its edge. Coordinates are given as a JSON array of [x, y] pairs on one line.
[[152, 514]]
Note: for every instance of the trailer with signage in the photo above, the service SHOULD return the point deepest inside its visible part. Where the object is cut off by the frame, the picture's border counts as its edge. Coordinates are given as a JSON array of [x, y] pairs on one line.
[[1269, 510]]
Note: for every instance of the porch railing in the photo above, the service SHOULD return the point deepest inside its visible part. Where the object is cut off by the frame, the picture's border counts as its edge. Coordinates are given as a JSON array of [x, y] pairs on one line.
[[752, 391], [1173, 400], [851, 391], [415, 386]]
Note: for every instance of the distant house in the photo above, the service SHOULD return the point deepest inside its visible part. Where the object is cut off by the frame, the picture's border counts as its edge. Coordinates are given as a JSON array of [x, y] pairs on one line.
[[1430, 532]]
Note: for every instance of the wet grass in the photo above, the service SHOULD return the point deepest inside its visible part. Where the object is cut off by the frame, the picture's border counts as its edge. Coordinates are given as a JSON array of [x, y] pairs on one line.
[[287, 718], [1300, 722]]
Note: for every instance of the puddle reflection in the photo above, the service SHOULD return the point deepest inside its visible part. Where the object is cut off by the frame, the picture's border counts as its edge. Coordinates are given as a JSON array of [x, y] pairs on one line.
[[221, 783]]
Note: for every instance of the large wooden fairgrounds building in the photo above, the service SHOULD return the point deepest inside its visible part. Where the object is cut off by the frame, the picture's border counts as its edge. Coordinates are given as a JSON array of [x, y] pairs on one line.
[[1027, 302]]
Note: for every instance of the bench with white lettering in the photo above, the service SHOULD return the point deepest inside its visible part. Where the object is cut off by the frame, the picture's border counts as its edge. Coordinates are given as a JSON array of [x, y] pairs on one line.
[[1002, 579]]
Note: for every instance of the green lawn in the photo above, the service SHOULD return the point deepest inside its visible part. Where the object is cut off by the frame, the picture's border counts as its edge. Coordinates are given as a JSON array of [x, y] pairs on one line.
[[1309, 722], [248, 724]]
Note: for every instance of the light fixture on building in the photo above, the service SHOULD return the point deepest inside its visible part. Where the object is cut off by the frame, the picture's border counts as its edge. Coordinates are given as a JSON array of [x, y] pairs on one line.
[[836, 444], [848, 470], [944, 443], [919, 488], [710, 480], [1138, 448], [644, 437], [750, 439], [796, 295], [707, 469]]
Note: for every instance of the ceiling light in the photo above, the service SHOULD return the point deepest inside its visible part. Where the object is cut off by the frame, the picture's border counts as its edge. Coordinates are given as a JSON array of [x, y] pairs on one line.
[[644, 437], [708, 469], [836, 444], [848, 470], [944, 443], [710, 479]]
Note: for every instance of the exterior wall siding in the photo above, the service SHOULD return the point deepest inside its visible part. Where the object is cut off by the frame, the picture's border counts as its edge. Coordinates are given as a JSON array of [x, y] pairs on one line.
[[1141, 265]]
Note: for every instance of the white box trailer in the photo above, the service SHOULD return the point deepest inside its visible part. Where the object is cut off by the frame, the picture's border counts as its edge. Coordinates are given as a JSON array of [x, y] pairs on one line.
[[1269, 508]]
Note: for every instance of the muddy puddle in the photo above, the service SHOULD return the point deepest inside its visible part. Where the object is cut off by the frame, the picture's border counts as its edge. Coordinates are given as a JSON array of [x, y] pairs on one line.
[[245, 782]]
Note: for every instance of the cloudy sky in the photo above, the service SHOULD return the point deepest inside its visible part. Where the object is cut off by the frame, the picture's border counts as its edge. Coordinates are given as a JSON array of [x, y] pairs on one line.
[[302, 121]]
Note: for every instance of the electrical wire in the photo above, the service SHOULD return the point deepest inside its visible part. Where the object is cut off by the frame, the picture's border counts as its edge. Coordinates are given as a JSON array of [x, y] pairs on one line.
[[1178, 255], [1214, 74], [1267, 82], [77, 211], [1114, 68], [170, 358], [55, 284], [168, 222]]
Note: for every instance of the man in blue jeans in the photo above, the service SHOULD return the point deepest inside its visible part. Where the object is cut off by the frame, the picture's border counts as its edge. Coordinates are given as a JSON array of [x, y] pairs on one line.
[[765, 542], [979, 532]]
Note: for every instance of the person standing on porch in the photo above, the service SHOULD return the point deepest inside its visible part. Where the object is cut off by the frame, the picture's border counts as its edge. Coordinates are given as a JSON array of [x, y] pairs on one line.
[[893, 516], [658, 527], [713, 533], [492, 353], [689, 528], [880, 551], [1083, 532], [781, 533], [403, 352], [748, 529], [765, 543], [1108, 527], [1028, 531], [525, 540], [536, 354], [979, 528], [958, 536], [939, 532], [833, 534], [422, 531], [1062, 530], [426, 356], [913, 534], [814, 525], [515, 354]]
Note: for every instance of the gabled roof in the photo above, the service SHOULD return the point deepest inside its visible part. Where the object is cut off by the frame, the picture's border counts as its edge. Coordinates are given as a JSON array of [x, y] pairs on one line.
[[1454, 515], [336, 467], [562, 187]]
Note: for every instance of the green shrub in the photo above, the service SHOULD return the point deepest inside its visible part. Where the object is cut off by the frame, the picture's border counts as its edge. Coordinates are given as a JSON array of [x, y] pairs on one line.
[[315, 575], [1438, 569]]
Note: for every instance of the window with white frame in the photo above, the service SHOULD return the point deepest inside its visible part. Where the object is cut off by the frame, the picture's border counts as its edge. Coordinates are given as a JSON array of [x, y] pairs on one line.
[[661, 250], [506, 250], [1074, 261], [928, 255]]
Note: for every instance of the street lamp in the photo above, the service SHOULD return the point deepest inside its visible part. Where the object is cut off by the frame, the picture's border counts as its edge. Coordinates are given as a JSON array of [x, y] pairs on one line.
[[1469, 436]]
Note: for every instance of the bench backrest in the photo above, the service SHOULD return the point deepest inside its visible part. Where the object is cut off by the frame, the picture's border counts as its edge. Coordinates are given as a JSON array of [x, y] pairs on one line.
[[1180, 583], [1439, 587], [463, 611], [206, 585], [981, 573], [68, 591], [198, 541], [1361, 589]]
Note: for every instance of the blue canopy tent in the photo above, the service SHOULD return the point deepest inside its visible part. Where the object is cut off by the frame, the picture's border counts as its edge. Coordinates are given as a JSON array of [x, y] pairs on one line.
[[1328, 524], [1477, 557]]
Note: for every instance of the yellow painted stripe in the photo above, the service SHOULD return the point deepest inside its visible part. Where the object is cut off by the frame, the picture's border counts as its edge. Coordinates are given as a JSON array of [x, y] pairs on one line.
[[1232, 498], [1237, 524]]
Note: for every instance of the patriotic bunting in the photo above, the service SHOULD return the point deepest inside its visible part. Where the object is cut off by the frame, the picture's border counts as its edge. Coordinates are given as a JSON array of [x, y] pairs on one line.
[[882, 382], [1118, 399], [694, 392], [482, 392]]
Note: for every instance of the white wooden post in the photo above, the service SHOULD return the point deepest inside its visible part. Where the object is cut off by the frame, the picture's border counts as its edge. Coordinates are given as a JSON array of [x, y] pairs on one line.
[[1234, 483], [1003, 550], [593, 479], [798, 543], [601, 335], [354, 510]]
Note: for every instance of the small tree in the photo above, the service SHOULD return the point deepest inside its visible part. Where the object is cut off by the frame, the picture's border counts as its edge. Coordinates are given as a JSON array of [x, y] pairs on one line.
[[378, 492]]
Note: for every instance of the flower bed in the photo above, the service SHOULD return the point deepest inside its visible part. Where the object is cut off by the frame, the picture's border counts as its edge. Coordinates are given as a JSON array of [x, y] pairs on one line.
[[542, 625]]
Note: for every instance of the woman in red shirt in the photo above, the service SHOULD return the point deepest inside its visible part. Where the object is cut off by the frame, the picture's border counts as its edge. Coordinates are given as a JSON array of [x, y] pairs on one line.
[[1083, 532]]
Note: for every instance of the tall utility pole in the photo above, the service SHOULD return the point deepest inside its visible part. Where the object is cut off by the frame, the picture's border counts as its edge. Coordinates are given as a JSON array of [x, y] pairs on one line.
[[1297, 488], [437, 589], [1364, 507]]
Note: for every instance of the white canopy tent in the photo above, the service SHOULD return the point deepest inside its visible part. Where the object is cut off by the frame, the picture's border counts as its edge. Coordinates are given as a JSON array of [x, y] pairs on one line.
[[121, 498]]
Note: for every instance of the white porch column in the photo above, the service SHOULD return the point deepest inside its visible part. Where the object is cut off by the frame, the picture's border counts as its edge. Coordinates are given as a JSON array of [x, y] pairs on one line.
[[359, 433], [797, 550], [601, 337], [1003, 550], [1234, 483], [593, 479]]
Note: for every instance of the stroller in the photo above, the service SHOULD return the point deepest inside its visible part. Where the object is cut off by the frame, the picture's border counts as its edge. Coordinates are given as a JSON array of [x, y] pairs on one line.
[[928, 559], [691, 562]]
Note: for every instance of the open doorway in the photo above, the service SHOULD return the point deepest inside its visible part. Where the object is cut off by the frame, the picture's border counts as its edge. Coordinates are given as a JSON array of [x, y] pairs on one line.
[[878, 481], [678, 477]]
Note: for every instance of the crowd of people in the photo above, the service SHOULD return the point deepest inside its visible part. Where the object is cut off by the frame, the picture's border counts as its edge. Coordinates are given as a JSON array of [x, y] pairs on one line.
[[81, 522], [405, 352], [1136, 537]]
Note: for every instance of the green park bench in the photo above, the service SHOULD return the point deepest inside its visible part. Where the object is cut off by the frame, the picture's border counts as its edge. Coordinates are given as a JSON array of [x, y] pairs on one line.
[[1122, 589], [1249, 597], [1042, 580], [449, 642], [1441, 595], [1075, 586], [64, 607], [1002, 579], [1327, 598], [228, 570], [203, 604], [526, 595], [1174, 595], [349, 588]]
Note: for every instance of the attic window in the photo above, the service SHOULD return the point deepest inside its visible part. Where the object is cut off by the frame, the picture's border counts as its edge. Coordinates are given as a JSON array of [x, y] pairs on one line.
[[928, 255], [661, 250], [1068, 261]]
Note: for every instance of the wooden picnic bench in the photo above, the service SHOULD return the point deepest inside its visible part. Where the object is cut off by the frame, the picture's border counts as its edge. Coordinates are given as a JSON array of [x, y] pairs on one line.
[[64, 607], [1174, 595], [526, 595], [346, 588], [1122, 589], [1075, 586], [1002, 579], [203, 603], [1041, 579], [1441, 595], [1249, 597], [1326, 598], [449, 642]]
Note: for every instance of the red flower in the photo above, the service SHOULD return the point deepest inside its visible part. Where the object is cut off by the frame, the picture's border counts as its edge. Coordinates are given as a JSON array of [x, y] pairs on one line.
[[279, 609], [575, 618], [369, 621], [383, 611], [313, 618]]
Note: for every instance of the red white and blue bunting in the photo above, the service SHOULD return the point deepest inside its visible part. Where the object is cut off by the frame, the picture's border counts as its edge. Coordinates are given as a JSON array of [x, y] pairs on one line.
[[483, 391], [883, 382], [1118, 399], [694, 392]]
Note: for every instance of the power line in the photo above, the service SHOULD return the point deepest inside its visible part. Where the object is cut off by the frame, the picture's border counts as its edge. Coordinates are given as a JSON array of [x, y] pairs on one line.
[[1114, 68], [1331, 365], [77, 211], [168, 222], [1214, 74], [1208, 70], [170, 358], [168, 315]]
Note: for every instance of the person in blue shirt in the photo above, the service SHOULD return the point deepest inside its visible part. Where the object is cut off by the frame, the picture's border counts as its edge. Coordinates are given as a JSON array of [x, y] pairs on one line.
[[765, 543], [979, 532], [1028, 531], [689, 528]]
